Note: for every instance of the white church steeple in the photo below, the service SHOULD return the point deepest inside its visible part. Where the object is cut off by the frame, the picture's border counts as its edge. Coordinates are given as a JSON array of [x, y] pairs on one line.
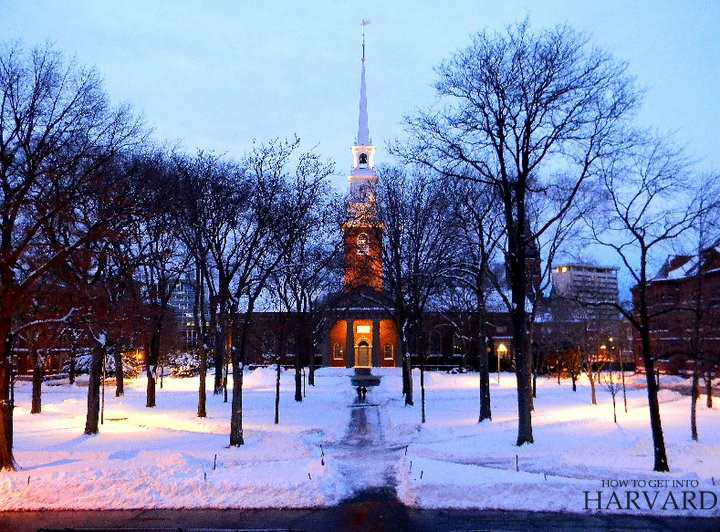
[[363, 150], [363, 137]]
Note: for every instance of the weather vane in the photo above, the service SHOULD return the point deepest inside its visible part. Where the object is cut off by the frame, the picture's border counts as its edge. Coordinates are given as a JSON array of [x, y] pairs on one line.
[[364, 23]]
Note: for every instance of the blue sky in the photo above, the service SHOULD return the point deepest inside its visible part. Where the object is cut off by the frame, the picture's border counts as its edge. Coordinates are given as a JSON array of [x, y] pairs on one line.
[[218, 74], [215, 75]]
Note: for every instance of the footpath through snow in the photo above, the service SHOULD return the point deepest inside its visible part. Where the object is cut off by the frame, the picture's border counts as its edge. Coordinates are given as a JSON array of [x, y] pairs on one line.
[[330, 447]]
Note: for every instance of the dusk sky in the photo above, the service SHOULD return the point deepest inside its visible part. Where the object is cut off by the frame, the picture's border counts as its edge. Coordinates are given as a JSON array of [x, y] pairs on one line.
[[216, 75]]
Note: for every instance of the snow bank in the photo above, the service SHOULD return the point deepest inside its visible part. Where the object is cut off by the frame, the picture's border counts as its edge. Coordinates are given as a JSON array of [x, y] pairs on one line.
[[166, 457]]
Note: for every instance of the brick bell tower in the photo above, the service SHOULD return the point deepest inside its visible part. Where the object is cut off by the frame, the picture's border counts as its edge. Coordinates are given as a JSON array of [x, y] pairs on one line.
[[362, 230]]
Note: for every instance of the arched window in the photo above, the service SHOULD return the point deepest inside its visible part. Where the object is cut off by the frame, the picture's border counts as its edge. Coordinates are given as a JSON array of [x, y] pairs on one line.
[[268, 343], [458, 346], [388, 352], [337, 352], [363, 244], [435, 344], [363, 159]]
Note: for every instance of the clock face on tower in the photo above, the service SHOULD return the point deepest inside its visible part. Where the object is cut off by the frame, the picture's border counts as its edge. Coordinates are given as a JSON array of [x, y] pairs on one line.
[[363, 244]]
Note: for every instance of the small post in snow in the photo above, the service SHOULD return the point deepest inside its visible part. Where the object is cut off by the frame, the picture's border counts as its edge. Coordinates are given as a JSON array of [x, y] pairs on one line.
[[517, 464]]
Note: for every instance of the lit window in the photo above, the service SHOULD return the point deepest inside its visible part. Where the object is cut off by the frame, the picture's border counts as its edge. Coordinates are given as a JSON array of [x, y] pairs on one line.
[[337, 352], [388, 352], [363, 244], [363, 329]]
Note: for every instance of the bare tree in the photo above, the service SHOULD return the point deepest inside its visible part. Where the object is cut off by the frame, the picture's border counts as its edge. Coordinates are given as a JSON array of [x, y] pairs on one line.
[[282, 187], [417, 253], [649, 207], [613, 384], [529, 115], [163, 256], [478, 222], [304, 275], [57, 131], [703, 314]]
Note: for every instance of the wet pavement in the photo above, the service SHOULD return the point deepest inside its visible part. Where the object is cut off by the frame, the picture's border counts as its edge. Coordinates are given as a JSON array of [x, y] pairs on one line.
[[376, 510]]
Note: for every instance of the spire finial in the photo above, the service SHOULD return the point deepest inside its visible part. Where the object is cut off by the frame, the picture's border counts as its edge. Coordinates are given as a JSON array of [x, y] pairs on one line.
[[364, 23]]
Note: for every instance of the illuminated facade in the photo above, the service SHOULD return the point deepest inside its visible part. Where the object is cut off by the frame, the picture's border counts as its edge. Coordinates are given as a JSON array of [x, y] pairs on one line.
[[360, 330]]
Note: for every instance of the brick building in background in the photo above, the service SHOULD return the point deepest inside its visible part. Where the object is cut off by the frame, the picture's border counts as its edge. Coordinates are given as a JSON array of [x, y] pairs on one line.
[[685, 298]]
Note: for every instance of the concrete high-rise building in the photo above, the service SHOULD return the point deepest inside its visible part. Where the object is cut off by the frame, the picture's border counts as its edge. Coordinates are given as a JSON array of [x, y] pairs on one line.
[[589, 286], [182, 301]]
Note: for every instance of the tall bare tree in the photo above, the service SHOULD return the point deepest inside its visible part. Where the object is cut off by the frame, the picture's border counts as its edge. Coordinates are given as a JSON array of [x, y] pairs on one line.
[[283, 186], [304, 275], [57, 131], [478, 221], [705, 234], [417, 253], [649, 205], [163, 257], [529, 114]]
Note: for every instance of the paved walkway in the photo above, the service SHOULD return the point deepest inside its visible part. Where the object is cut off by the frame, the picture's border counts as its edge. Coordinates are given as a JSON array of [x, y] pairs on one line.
[[365, 459]]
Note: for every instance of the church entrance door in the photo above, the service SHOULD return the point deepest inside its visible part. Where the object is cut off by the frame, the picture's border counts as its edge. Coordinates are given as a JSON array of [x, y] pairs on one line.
[[362, 360]]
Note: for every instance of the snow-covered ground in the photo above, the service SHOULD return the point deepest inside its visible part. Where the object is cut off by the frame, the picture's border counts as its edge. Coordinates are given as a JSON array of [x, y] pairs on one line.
[[163, 457]]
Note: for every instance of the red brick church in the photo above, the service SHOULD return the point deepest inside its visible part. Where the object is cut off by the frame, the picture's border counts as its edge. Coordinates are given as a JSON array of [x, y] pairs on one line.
[[360, 331]]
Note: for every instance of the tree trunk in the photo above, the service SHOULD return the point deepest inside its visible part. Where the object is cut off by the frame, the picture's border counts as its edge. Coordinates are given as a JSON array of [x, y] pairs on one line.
[[573, 376], [217, 357], [238, 359], [150, 371], [484, 370], [708, 389], [278, 369], [298, 379], [422, 389], [152, 363], [225, 380], [201, 411], [591, 378], [409, 384], [7, 460], [614, 409], [236, 414], [661, 463], [695, 391], [220, 355], [311, 369], [93, 402], [622, 376], [119, 376], [38, 373], [71, 365], [522, 365]]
